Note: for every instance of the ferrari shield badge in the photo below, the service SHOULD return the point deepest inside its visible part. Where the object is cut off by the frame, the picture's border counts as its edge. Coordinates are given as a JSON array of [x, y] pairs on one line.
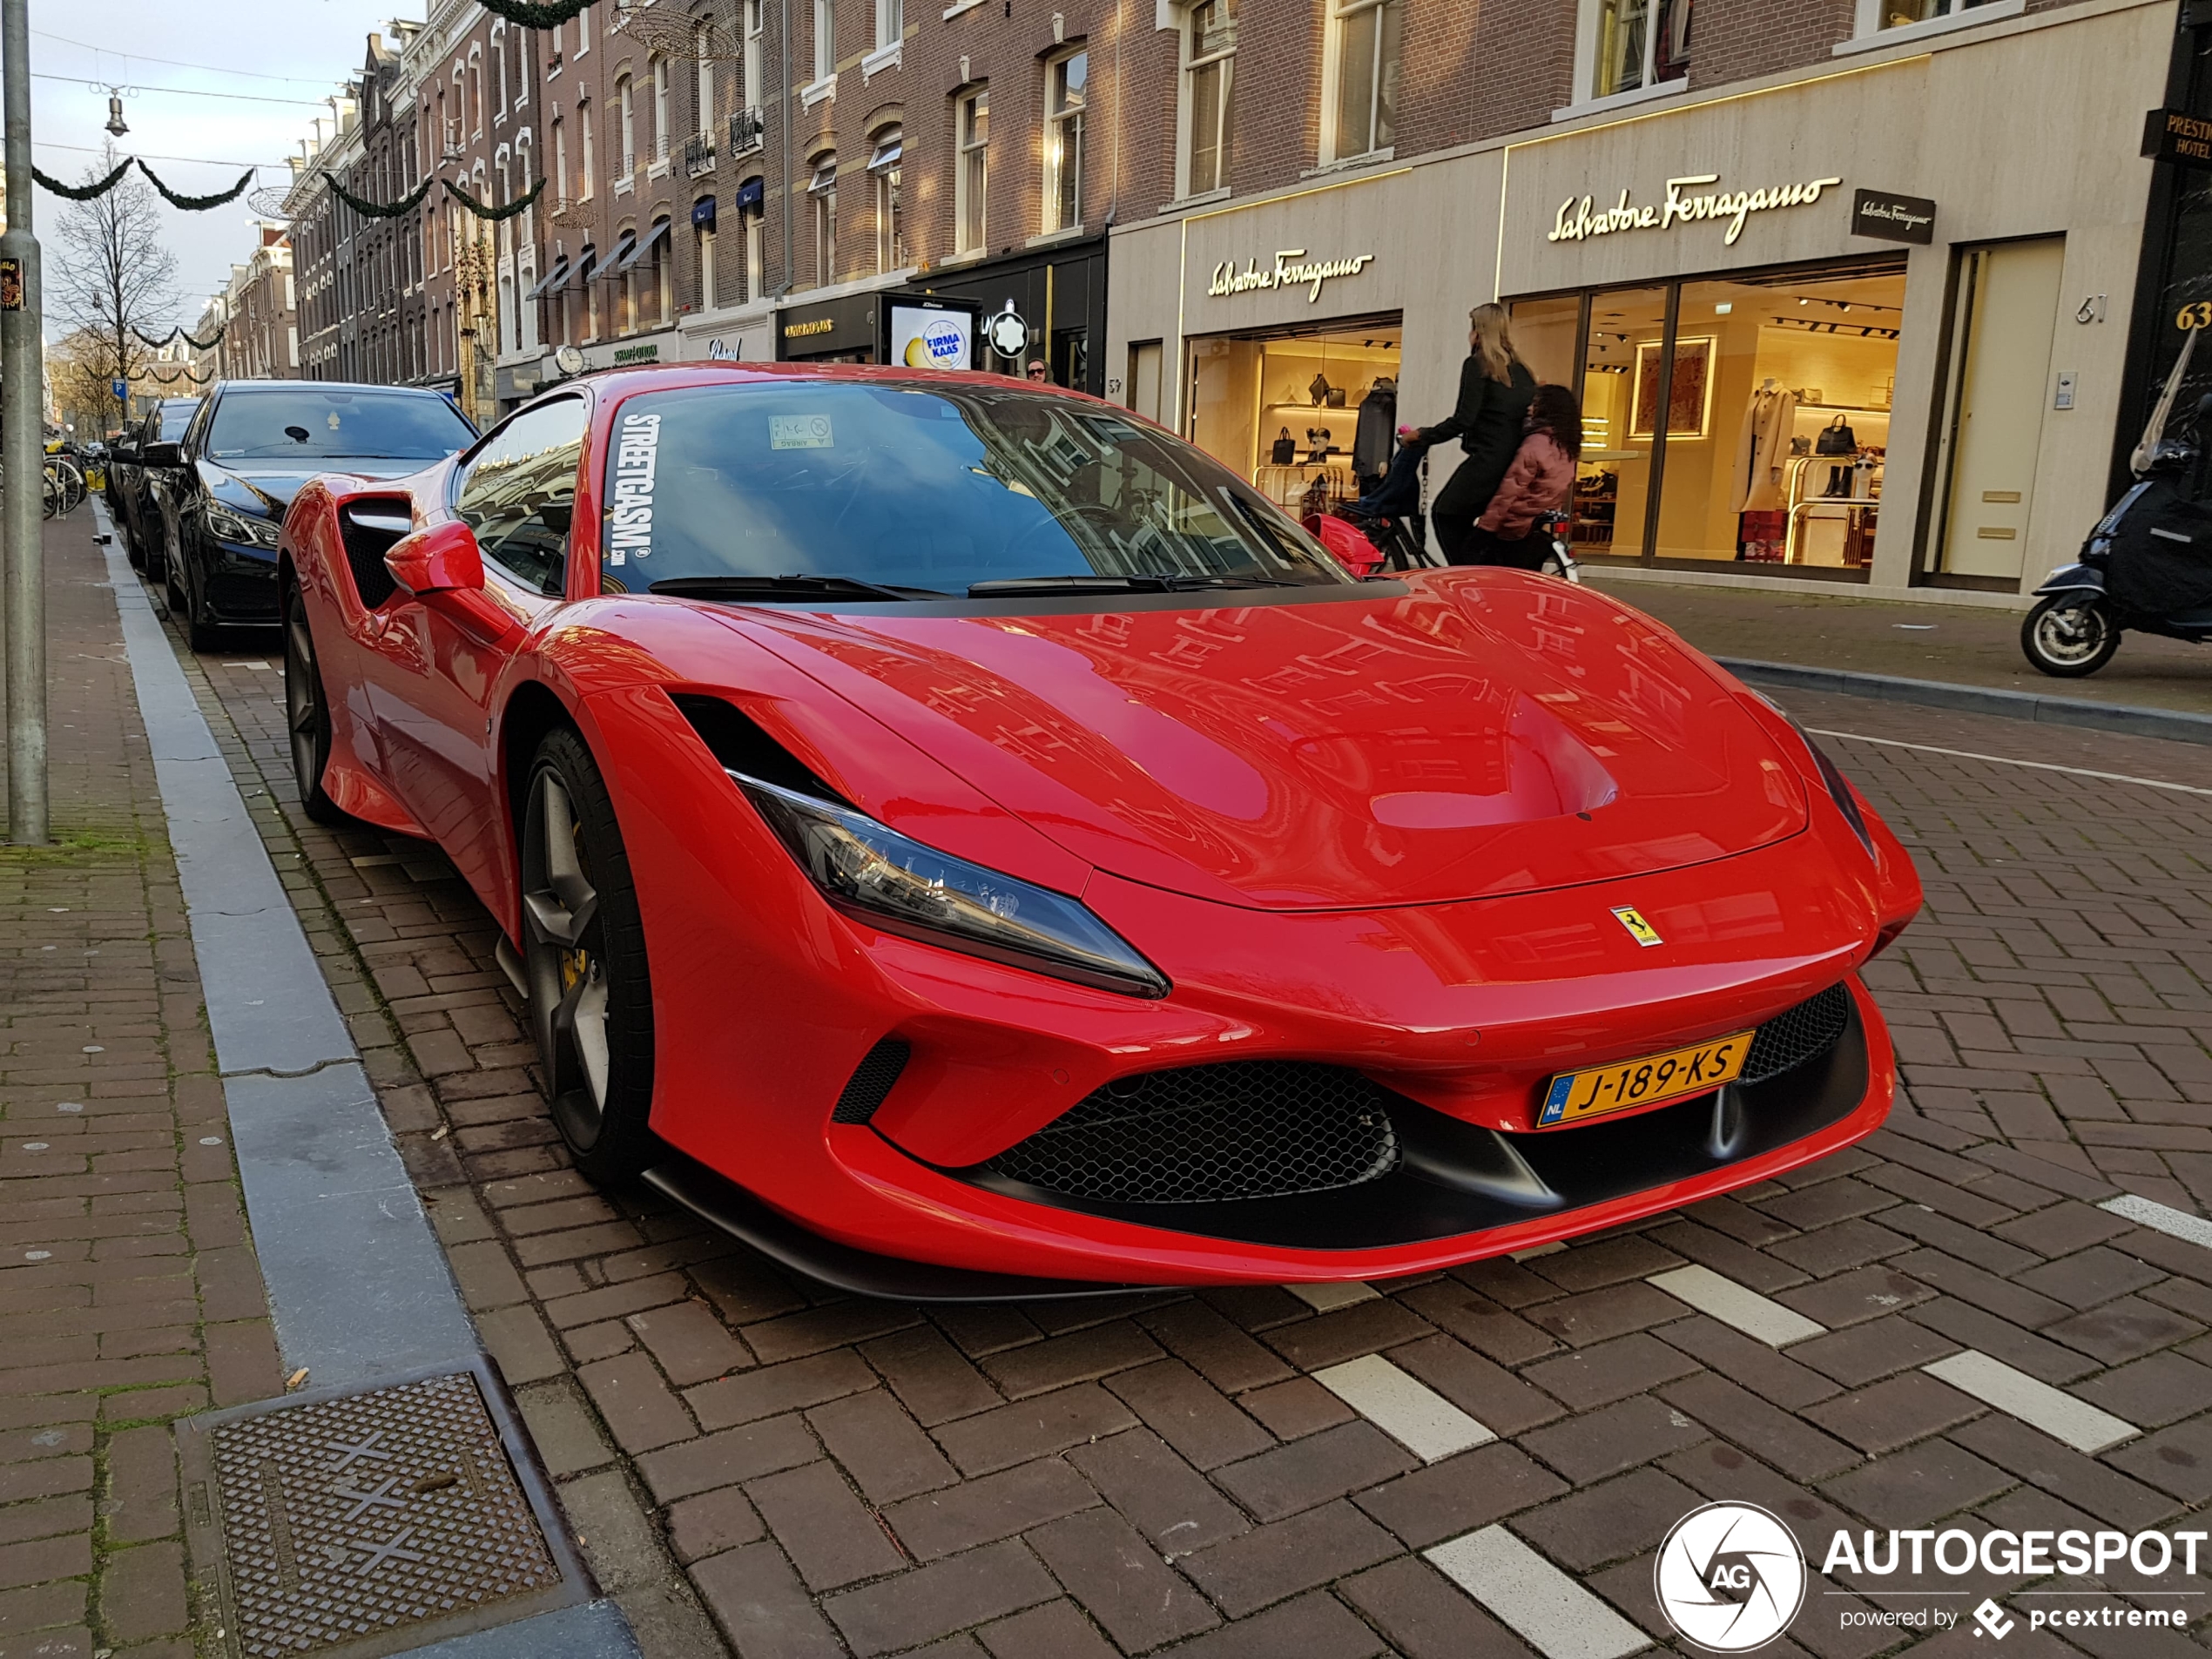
[[1639, 930]]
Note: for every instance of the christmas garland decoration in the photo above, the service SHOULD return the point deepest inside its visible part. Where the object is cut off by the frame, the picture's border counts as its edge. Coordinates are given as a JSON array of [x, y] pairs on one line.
[[493, 214], [82, 192], [211, 341], [183, 374], [366, 209], [199, 204], [531, 15], [146, 338]]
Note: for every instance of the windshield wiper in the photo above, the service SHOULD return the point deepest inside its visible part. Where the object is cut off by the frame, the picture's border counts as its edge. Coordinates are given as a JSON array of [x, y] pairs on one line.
[[1104, 581], [786, 587]]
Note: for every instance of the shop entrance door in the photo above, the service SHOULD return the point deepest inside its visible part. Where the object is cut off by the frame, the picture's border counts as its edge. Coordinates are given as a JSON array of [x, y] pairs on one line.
[[2008, 300]]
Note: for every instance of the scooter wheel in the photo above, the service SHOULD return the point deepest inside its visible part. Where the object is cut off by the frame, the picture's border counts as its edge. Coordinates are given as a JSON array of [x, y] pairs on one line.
[[2066, 639]]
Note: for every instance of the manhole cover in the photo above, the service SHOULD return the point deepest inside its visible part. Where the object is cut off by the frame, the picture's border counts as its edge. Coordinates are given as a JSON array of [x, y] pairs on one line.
[[373, 1520]]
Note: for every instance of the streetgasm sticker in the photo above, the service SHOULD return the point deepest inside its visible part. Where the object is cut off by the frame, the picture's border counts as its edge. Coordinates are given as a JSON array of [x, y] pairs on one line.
[[631, 515]]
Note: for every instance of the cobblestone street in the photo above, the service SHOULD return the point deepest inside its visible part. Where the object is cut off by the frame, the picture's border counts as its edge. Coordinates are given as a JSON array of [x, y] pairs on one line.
[[837, 1475]]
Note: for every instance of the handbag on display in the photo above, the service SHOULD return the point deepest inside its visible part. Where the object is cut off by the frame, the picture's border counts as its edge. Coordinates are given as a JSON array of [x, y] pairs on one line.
[[1836, 439], [1284, 452]]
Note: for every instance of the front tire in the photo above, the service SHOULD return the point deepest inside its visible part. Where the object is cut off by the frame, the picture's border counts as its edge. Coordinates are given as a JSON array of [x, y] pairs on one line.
[[307, 714], [2066, 639], [583, 959]]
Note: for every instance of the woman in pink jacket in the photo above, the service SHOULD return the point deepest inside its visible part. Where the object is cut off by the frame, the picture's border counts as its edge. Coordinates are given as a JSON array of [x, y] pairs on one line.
[[1540, 481]]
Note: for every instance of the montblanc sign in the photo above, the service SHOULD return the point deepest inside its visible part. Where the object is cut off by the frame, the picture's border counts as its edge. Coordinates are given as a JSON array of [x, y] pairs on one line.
[[1578, 221], [1291, 269]]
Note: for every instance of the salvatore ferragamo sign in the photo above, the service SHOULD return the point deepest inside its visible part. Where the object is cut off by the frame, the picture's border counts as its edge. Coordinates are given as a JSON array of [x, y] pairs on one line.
[[1685, 204], [1291, 269]]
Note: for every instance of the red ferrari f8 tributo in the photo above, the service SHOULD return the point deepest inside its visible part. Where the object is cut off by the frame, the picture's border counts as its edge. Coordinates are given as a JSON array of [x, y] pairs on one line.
[[958, 836]]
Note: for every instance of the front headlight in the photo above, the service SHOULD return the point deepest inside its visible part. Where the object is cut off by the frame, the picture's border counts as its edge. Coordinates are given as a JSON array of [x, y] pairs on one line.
[[904, 887], [228, 525]]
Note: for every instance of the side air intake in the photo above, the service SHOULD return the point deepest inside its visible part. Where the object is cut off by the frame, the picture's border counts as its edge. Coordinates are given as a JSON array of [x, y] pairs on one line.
[[872, 1081]]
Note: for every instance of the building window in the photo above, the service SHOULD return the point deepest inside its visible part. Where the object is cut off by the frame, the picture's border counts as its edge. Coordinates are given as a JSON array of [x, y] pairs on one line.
[[1208, 66], [1363, 43], [1641, 43], [561, 160], [660, 109], [890, 22], [1898, 14], [702, 53], [754, 222], [824, 39], [703, 230], [890, 229], [585, 124], [499, 51], [1066, 84], [971, 180], [627, 117], [582, 32], [756, 48], [823, 190]]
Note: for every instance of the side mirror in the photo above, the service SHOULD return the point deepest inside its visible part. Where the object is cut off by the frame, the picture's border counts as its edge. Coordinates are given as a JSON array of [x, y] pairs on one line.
[[127, 453], [442, 559], [164, 454]]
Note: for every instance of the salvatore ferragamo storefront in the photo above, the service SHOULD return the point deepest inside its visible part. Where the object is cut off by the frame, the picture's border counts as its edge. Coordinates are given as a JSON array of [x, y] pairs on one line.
[[1867, 327]]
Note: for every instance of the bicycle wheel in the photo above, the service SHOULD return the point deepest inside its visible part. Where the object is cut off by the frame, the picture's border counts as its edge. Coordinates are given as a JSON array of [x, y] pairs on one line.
[[72, 487], [50, 497]]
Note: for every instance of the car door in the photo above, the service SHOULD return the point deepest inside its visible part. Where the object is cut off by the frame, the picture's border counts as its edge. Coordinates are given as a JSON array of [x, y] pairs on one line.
[[436, 663]]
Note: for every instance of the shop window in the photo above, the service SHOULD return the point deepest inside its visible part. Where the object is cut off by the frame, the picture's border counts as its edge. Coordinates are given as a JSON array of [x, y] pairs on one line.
[[1309, 416], [971, 180], [1639, 44], [822, 191], [1066, 85], [1363, 46], [1208, 102], [890, 226], [753, 219], [702, 233]]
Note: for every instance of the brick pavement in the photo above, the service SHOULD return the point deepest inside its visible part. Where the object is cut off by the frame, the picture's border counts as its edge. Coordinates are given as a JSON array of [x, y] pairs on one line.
[[128, 1291], [1164, 1472]]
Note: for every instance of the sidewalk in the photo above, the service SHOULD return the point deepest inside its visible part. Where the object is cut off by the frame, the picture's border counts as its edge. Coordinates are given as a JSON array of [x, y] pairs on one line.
[[130, 1295], [1962, 644]]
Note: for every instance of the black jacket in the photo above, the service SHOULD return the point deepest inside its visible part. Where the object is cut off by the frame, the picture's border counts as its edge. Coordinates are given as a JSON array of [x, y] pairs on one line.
[[1487, 421]]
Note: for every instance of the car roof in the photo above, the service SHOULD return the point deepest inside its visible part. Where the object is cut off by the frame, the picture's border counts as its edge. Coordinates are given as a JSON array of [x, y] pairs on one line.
[[256, 388]]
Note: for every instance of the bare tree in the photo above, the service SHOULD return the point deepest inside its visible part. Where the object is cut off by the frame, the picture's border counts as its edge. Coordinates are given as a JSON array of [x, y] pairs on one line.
[[111, 274]]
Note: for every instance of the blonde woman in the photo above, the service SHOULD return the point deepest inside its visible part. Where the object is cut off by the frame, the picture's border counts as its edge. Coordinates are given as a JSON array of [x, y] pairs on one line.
[[1496, 388]]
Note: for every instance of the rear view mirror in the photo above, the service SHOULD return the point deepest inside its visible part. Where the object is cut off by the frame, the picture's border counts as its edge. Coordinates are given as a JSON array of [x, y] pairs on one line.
[[164, 454], [444, 558]]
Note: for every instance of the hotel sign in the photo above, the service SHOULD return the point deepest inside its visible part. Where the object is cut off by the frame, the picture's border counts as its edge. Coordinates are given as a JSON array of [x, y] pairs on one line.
[[2175, 135], [1578, 221], [1291, 269]]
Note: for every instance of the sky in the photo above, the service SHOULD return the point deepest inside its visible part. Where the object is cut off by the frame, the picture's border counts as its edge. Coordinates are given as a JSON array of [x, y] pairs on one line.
[[273, 61]]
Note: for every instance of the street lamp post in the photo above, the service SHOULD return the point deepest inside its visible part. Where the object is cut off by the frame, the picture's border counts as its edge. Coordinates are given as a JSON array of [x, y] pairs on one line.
[[21, 448]]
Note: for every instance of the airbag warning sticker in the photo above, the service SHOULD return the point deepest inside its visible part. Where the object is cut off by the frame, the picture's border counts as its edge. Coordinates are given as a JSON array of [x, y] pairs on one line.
[[631, 513]]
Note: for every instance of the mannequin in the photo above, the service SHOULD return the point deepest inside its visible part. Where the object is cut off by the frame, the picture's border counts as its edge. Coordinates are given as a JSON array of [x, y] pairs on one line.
[[1763, 447]]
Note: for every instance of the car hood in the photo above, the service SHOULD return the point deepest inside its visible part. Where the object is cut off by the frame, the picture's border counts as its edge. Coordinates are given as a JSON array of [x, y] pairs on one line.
[[1467, 735], [268, 489]]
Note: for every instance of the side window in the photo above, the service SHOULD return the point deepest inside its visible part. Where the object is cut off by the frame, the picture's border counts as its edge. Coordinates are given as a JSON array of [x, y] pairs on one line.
[[519, 493]]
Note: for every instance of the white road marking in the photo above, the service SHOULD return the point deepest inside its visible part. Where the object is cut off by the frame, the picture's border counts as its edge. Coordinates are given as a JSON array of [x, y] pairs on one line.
[[2148, 1212], [1404, 1407], [1738, 1305], [1328, 1298], [2080, 1425], [2006, 760], [1558, 1618]]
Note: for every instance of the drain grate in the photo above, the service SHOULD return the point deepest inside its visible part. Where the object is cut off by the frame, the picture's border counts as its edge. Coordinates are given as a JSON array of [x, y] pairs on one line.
[[371, 1520]]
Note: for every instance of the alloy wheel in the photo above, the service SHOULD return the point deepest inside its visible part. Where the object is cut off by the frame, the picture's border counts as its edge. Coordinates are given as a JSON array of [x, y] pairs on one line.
[[302, 700], [564, 960]]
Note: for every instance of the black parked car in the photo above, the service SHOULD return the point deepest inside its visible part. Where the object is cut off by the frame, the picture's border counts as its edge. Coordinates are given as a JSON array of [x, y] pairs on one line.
[[131, 484], [245, 455]]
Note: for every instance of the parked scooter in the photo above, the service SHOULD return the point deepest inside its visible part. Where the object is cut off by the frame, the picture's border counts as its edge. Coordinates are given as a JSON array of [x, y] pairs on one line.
[[2147, 566]]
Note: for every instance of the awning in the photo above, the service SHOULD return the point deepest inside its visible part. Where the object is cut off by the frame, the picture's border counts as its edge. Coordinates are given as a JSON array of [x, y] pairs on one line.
[[703, 213], [586, 260], [552, 282], [651, 240], [751, 194], [617, 262], [886, 154]]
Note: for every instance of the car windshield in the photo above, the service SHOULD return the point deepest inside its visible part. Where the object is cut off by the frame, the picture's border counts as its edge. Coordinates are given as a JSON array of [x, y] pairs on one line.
[[322, 424], [924, 488]]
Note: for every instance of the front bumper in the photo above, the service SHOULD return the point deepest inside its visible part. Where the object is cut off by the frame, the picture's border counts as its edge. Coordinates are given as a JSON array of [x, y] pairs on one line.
[[241, 584]]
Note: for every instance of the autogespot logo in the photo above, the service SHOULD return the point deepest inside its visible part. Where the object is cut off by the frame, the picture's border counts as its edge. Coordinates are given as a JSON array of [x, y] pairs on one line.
[[1730, 1577]]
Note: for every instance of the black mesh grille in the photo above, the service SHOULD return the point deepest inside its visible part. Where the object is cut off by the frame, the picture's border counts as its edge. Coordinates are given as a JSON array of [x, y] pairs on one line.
[[1247, 1130], [365, 551], [1798, 1034], [871, 1082]]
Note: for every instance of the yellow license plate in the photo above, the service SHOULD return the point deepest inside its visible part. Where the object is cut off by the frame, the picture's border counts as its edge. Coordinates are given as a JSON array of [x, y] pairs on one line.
[[1674, 1076]]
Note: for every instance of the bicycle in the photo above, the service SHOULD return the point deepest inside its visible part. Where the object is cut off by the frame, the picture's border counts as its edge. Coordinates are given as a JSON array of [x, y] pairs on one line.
[[63, 491]]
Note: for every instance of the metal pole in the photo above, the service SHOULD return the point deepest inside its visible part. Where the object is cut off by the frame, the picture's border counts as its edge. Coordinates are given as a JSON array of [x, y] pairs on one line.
[[22, 432]]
